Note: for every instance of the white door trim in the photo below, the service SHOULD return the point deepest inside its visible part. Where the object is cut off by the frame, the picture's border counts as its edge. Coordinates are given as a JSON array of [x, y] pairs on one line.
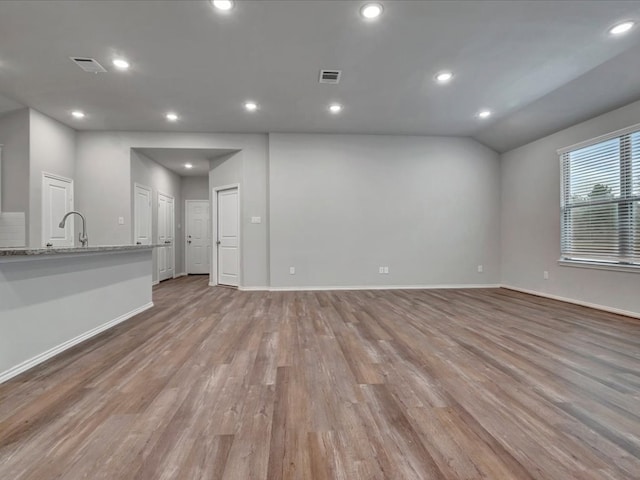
[[174, 232], [55, 176], [213, 279], [135, 210], [60, 178], [186, 232]]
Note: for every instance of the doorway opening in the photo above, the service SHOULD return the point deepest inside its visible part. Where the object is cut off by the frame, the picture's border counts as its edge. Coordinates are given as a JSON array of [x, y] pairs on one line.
[[176, 182]]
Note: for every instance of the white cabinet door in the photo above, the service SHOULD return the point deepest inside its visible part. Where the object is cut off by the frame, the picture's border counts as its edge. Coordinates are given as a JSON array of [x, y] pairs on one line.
[[228, 237], [57, 199], [197, 233], [166, 218]]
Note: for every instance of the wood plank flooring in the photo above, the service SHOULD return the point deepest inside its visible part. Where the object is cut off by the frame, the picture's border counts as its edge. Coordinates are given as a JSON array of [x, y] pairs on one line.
[[214, 383]]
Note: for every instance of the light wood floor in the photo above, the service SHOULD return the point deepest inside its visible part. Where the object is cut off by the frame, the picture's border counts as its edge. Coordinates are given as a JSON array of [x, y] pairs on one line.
[[444, 384]]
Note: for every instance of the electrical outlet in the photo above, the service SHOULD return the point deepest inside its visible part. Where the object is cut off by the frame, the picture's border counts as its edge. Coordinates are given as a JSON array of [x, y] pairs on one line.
[[256, 219], [292, 270], [545, 275], [386, 270], [480, 269]]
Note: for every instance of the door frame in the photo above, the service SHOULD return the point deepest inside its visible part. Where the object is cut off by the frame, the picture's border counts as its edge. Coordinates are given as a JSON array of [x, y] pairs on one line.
[[186, 232], [135, 210], [174, 232], [60, 178], [213, 278]]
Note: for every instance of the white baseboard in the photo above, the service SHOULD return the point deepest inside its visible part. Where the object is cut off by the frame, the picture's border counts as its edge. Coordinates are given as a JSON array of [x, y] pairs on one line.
[[379, 287], [155, 282], [596, 306], [183, 274], [365, 287], [32, 362]]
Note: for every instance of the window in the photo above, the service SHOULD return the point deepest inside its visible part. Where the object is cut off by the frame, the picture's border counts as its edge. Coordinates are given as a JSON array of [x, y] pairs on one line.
[[601, 200]]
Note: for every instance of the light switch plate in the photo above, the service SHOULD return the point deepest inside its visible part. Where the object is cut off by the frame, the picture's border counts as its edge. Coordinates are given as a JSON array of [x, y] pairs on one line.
[[292, 270], [120, 220], [256, 219]]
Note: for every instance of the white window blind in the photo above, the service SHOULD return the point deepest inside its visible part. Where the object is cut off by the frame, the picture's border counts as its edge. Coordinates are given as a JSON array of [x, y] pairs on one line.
[[601, 200]]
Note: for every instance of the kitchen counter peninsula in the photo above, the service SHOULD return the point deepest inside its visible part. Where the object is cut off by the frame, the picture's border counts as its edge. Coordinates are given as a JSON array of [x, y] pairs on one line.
[[53, 298]]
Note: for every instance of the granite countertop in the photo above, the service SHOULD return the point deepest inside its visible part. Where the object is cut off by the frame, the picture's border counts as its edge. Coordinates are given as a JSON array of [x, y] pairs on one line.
[[22, 251]]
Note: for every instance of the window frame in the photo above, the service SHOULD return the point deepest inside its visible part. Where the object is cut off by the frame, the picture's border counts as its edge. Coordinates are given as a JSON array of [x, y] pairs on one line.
[[624, 260]]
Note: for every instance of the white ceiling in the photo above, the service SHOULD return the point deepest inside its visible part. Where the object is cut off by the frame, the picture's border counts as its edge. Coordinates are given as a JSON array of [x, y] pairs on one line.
[[540, 65], [175, 158]]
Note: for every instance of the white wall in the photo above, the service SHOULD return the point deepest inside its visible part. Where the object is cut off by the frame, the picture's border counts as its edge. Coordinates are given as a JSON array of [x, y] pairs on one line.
[[14, 136], [530, 213], [33, 143], [151, 174], [52, 148], [14, 178], [343, 205], [103, 171], [339, 206], [195, 188]]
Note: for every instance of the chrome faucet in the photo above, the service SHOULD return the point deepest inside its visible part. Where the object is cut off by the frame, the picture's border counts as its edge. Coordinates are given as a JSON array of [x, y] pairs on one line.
[[84, 240]]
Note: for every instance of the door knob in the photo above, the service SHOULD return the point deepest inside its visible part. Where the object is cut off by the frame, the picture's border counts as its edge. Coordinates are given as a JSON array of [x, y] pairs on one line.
[[218, 242], [189, 241]]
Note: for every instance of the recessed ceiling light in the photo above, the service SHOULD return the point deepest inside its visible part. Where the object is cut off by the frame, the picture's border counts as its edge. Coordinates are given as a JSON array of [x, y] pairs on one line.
[[223, 5], [444, 77], [251, 106], [172, 117], [335, 108], [484, 113], [77, 114], [371, 11], [120, 63], [188, 165], [621, 28]]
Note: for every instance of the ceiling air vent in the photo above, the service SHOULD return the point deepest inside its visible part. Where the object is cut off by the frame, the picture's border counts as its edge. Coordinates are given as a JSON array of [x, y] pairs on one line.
[[330, 76], [88, 64]]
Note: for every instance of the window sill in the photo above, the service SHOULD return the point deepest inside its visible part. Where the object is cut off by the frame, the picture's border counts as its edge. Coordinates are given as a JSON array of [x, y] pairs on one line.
[[616, 267]]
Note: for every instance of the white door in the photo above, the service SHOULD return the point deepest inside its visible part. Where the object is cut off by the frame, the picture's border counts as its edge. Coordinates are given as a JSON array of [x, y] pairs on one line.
[[197, 233], [0, 178], [166, 217], [142, 214], [57, 199], [228, 237]]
